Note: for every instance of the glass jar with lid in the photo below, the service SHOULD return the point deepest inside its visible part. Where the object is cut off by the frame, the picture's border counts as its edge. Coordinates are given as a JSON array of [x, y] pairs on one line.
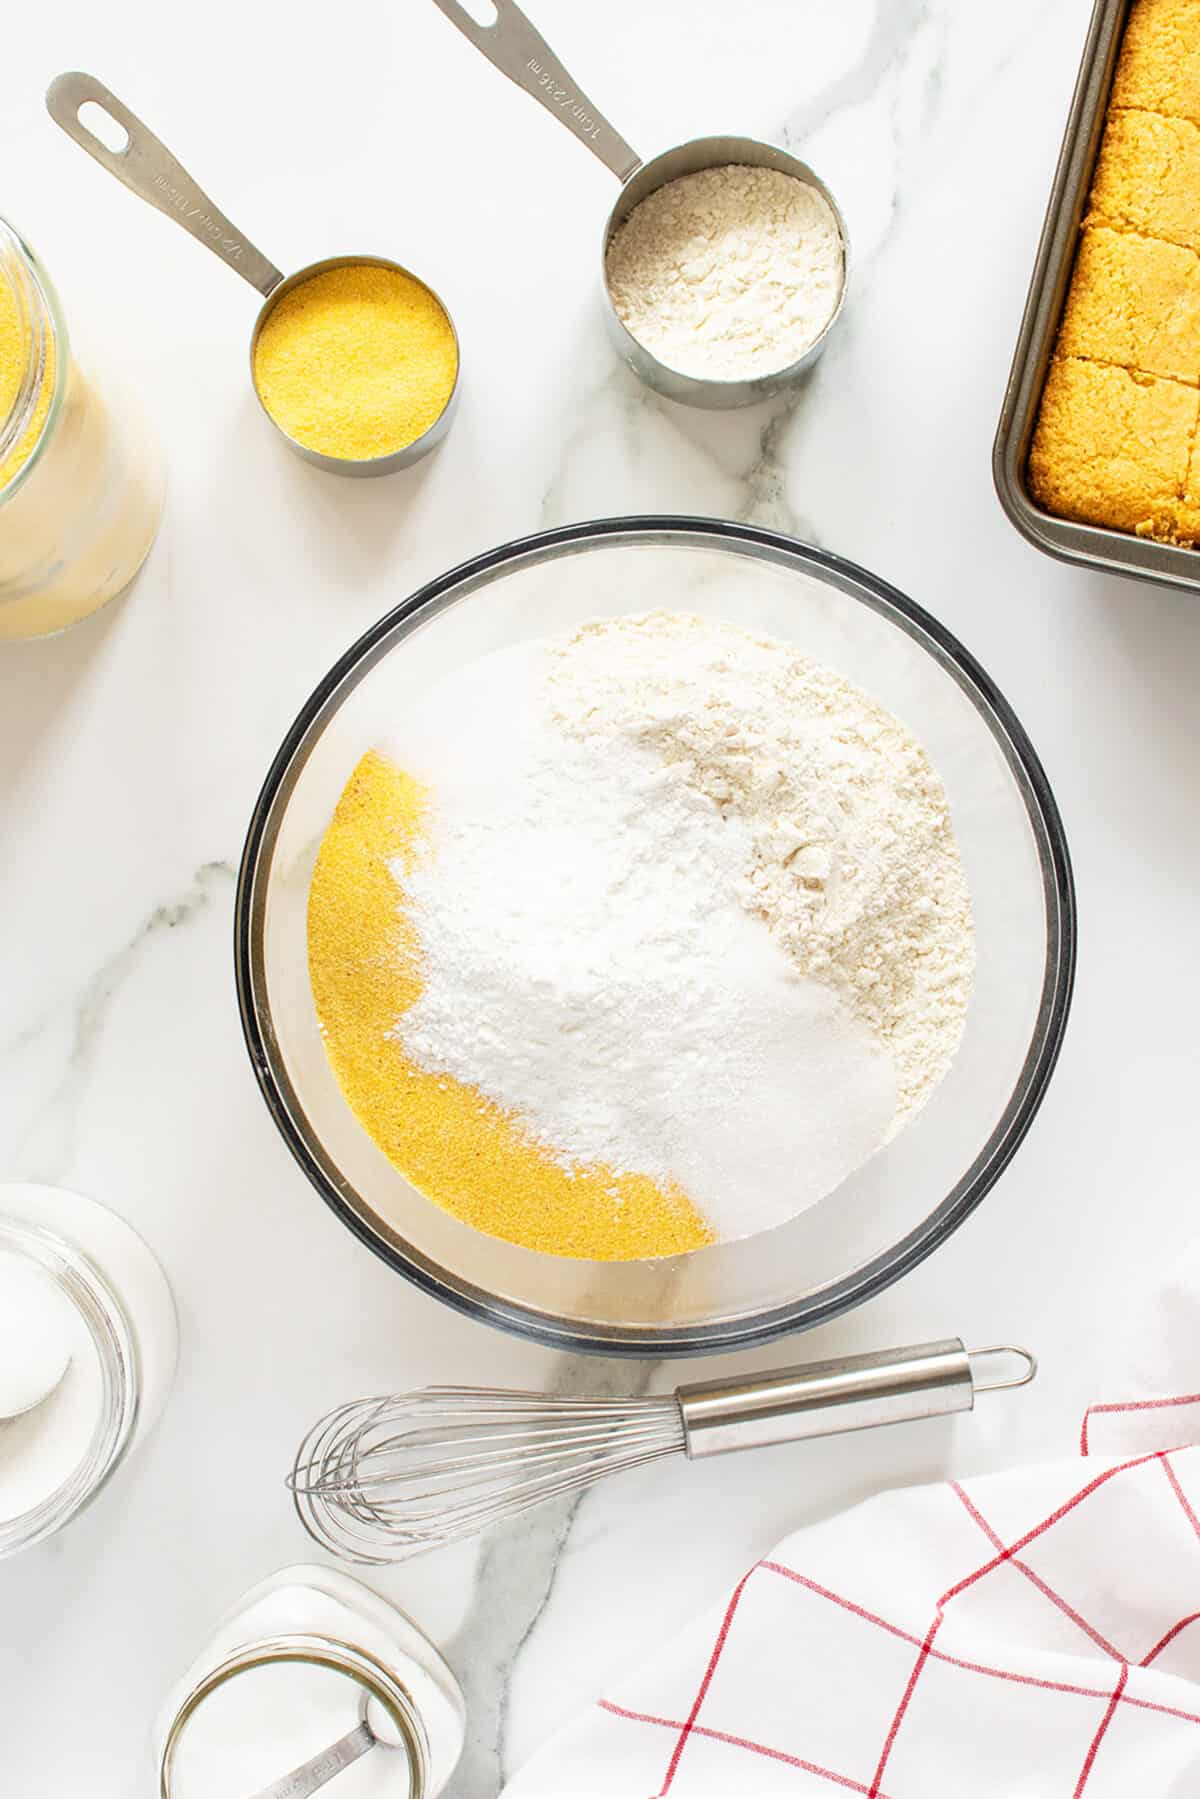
[[311, 1673], [81, 483]]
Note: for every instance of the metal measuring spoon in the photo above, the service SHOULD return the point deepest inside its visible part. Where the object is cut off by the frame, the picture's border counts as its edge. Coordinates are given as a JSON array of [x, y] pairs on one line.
[[513, 45], [315, 1773], [146, 167]]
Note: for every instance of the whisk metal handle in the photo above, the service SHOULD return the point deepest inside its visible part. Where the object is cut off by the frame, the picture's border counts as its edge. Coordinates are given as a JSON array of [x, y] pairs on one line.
[[821, 1399]]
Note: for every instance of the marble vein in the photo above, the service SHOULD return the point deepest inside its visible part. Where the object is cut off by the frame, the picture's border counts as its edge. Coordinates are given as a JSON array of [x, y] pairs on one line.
[[55, 1117], [890, 42], [514, 1584]]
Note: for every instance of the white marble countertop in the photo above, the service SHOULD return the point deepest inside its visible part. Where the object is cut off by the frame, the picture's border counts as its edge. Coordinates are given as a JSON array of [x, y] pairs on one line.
[[131, 751]]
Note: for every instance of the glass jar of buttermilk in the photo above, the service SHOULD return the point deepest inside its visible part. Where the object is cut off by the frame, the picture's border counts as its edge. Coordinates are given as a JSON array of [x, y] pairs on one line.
[[277, 1701], [88, 1338], [81, 485]]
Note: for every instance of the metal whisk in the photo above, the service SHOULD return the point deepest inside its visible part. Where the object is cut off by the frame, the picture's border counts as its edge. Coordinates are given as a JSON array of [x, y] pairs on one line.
[[386, 1478]]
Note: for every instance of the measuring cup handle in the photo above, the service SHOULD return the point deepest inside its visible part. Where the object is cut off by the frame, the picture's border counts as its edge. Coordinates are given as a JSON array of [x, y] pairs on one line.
[[511, 45], [148, 169]]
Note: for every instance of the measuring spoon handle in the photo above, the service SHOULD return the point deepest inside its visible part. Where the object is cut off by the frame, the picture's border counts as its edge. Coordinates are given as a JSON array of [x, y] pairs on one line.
[[512, 45], [148, 170], [314, 1774]]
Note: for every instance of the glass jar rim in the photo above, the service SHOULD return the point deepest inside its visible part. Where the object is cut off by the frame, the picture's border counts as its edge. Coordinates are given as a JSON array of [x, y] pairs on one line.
[[39, 305], [314, 1650], [113, 1337]]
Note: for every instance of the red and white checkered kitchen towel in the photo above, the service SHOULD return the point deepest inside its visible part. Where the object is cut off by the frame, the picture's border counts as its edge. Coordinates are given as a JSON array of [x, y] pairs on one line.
[[1033, 1633]]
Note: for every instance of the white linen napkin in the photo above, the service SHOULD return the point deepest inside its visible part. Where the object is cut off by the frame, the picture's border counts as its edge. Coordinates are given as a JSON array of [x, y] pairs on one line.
[[1034, 1633]]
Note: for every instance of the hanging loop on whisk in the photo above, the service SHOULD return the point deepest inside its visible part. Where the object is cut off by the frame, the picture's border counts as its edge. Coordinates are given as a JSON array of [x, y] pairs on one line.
[[1027, 1367]]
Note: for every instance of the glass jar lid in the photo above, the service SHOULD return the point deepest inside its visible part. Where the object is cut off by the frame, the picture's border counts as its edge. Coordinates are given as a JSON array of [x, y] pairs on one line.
[[261, 1722]]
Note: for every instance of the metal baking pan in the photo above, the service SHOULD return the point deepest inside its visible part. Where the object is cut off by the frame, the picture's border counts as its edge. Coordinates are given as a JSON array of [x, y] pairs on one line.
[[1117, 552]]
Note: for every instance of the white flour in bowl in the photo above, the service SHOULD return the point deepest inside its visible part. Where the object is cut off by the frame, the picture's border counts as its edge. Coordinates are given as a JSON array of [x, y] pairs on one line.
[[653, 910], [853, 865]]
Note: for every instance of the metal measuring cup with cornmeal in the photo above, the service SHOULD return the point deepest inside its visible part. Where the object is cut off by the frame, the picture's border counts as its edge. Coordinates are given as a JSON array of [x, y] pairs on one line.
[[354, 360]]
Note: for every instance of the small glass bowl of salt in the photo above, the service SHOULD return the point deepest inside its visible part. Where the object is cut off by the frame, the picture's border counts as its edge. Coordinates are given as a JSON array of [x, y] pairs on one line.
[[310, 1675], [88, 1342]]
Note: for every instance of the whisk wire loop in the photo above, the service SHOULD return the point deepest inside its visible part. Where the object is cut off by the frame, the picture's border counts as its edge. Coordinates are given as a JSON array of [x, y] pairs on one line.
[[394, 1475]]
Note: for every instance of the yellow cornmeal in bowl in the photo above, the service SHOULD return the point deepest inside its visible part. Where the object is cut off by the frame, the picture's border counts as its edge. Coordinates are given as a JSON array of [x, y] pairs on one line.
[[1116, 437], [449, 1141], [356, 362], [14, 355]]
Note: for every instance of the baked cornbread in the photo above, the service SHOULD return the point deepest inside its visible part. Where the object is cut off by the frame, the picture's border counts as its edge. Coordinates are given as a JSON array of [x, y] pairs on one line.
[[1116, 437], [1134, 302], [1148, 177], [1185, 520], [1112, 446], [1159, 70]]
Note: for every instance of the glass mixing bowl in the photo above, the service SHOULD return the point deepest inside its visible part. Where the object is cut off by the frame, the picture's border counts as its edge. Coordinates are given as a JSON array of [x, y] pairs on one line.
[[915, 1191]]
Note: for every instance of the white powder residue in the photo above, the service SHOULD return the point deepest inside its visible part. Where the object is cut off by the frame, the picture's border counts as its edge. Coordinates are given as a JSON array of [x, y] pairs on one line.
[[852, 860], [589, 963], [728, 273]]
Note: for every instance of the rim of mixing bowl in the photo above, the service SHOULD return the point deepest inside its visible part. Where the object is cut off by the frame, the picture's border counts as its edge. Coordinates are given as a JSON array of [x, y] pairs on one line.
[[881, 1270]]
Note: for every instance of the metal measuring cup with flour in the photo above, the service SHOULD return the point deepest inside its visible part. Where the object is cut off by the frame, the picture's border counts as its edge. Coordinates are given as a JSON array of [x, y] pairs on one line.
[[354, 359], [724, 259]]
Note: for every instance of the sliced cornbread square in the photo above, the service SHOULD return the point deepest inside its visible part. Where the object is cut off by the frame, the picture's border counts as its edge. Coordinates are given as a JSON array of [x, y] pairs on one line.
[[1148, 177], [1185, 516], [1134, 301], [1111, 447], [1159, 66]]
